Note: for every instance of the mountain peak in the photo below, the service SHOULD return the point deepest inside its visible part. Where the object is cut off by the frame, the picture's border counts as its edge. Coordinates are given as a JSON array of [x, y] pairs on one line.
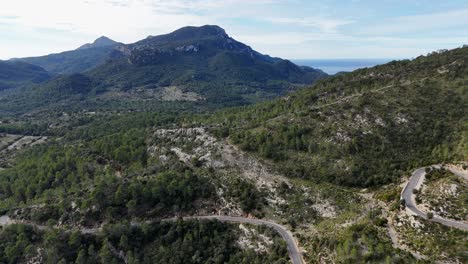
[[190, 33], [102, 41], [206, 30]]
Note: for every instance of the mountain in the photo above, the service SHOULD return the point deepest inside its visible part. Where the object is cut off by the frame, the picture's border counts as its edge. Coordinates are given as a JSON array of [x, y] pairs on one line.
[[211, 49], [15, 74], [324, 164], [202, 65], [80, 60], [100, 42], [363, 128], [203, 60]]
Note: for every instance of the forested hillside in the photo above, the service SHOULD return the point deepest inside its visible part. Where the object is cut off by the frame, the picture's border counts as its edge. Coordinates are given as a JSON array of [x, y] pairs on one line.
[[80, 60], [176, 242], [362, 128], [20, 74], [203, 66]]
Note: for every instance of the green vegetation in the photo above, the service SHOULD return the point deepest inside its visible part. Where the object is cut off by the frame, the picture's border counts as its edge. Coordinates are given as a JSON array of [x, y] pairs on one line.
[[100, 172], [446, 194], [362, 244], [433, 175], [250, 199], [365, 241], [178, 242], [435, 241], [363, 128], [15, 74], [202, 60], [88, 186], [115, 153], [74, 61]]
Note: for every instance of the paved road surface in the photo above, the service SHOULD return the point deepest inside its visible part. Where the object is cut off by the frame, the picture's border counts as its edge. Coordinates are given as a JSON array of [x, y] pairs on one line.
[[293, 249], [415, 182]]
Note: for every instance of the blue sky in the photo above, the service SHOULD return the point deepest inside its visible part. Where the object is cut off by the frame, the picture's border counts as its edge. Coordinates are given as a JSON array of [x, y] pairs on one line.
[[292, 29]]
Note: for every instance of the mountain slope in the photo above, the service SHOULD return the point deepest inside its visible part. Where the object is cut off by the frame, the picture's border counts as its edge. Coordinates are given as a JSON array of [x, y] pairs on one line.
[[102, 41], [18, 74], [82, 59], [202, 65], [204, 60], [362, 128]]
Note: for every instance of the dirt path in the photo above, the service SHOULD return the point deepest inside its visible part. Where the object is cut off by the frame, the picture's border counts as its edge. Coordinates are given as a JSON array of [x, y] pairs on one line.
[[352, 96]]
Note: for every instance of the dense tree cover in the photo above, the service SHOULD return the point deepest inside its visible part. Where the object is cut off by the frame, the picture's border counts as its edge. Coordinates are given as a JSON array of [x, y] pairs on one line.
[[250, 199], [363, 128], [17, 242], [108, 125], [165, 242], [42, 169], [23, 128], [109, 173], [123, 148], [15, 74], [74, 61], [164, 194]]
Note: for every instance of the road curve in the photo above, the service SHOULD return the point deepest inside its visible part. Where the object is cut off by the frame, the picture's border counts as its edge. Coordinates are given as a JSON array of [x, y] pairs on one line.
[[415, 182], [293, 249]]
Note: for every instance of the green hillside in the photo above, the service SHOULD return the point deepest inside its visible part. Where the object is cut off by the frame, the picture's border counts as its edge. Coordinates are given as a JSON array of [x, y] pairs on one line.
[[199, 66], [20, 74], [294, 160], [74, 61], [362, 128], [204, 60]]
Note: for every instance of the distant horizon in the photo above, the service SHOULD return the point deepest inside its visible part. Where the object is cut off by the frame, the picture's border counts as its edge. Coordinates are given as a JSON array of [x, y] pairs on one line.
[[272, 55], [333, 66], [342, 59], [321, 63]]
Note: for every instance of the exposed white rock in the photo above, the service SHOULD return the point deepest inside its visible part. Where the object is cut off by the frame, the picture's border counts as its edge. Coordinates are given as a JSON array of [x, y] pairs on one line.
[[250, 239], [187, 48], [325, 209]]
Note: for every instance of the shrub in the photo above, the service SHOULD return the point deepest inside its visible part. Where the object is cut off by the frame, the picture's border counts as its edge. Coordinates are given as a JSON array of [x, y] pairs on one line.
[[380, 222], [430, 215]]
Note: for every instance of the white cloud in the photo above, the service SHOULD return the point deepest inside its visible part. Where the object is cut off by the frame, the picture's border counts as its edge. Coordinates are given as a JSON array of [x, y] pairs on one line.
[[326, 25], [124, 20], [419, 23]]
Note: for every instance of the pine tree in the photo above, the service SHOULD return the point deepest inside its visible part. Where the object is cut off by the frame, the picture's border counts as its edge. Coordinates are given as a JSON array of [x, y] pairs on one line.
[[105, 254]]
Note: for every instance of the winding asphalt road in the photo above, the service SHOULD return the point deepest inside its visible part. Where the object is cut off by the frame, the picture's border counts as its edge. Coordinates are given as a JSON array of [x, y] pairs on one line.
[[415, 182], [293, 249]]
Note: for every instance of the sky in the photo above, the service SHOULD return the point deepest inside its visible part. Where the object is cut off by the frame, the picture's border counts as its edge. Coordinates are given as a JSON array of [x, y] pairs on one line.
[[291, 29]]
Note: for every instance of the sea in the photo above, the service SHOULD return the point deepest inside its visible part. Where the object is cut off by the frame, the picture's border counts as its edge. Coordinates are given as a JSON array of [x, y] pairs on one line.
[[332, 66]]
